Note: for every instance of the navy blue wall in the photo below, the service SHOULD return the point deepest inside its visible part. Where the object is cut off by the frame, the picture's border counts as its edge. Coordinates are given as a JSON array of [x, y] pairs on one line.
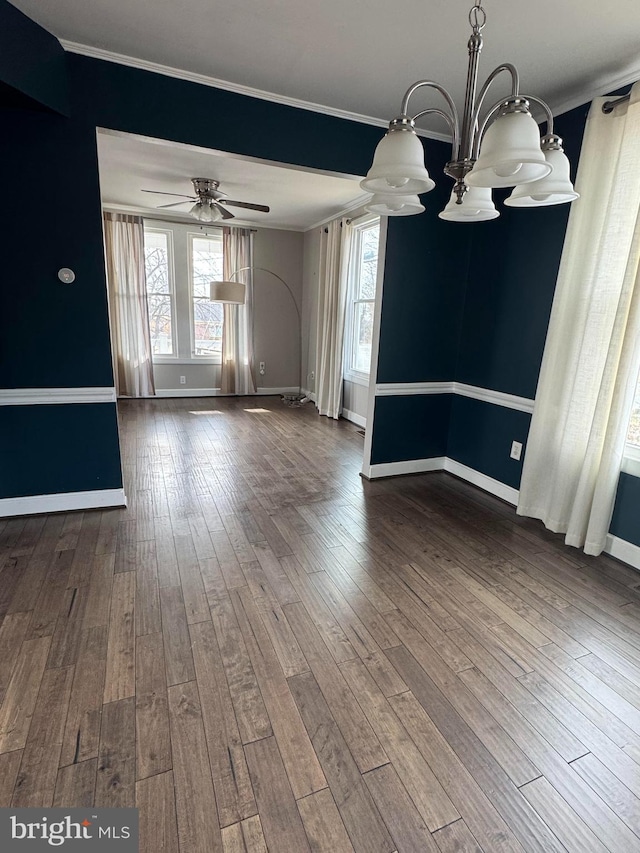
[[410, 427], [33, 70], [626, 513]]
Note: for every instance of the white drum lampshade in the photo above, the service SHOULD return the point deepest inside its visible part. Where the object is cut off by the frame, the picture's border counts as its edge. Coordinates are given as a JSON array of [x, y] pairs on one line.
[[231, 292]]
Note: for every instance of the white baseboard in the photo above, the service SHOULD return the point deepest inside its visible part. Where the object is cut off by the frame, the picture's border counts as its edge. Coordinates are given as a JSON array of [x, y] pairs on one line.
[[623, 550], [216, 392], [408, 466], [494, 487], [64, 502], [354, 418], [55, 396]]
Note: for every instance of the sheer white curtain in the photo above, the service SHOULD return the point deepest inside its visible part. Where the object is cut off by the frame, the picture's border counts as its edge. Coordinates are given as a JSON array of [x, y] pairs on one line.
[[592, 355], [335, 247], [238, 370], [130, 337]]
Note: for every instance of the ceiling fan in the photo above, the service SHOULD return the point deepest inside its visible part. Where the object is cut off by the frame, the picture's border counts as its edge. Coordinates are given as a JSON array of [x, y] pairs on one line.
[[207, 198]]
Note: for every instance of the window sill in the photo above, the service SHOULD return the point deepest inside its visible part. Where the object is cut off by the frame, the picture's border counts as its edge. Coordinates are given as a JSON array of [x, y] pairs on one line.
[[631, 460], [357, 378], [168, 359]]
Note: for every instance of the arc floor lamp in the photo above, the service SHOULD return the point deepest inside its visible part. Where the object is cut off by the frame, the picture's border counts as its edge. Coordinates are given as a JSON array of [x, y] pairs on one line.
[[235, 293]]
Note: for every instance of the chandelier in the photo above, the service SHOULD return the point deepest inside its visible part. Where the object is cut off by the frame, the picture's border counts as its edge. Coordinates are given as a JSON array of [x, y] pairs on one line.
[[502, 148]]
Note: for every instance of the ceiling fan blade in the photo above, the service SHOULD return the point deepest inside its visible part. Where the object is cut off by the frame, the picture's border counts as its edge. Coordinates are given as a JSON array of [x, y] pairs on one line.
[[261, 207], [173, 204], [160, 192], [226, 214]]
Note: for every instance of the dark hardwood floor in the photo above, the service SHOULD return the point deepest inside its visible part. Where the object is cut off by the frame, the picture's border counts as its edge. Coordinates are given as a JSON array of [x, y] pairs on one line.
[[265, 652]]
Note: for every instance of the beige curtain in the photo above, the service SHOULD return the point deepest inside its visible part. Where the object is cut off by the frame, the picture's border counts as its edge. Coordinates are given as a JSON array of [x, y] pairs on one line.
[[238, 369], [335, 248], [592, 355], [130, 337]]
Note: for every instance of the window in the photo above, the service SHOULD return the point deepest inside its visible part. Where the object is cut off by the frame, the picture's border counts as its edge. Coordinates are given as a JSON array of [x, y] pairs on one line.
[[207, 317], [160, 291], [362, 285]]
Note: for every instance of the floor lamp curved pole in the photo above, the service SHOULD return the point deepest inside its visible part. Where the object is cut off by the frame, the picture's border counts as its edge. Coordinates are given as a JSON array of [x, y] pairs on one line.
[[234, 293]]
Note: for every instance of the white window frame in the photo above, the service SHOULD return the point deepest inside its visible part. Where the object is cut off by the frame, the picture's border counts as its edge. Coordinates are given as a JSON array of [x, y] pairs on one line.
[[165, 358], [197, 359], [359, 225]]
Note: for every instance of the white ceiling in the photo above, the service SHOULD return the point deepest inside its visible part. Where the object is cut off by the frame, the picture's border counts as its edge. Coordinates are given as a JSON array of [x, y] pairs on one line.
[[360, 55], [298, 199]]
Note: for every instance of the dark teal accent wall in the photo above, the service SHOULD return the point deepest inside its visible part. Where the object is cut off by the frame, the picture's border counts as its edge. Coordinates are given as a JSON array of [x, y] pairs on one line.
[[480, 437], [411, 427], [626, 514], [33, 70], [52, 449]]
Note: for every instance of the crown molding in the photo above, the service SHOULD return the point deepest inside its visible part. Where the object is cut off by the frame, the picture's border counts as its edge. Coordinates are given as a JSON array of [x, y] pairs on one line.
[[237, 88], [597, 88]]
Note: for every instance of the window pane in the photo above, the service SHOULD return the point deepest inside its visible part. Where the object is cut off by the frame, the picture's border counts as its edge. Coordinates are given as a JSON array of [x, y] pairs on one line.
[[156, 262], [370, 239], [159, 306], [206, 264], [634, 426], [207, 323], [362, 334]]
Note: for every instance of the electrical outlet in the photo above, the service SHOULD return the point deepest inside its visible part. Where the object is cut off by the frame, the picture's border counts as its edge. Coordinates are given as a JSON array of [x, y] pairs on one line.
[[183, 380], [262, 368], [516, 449], [312, 375]]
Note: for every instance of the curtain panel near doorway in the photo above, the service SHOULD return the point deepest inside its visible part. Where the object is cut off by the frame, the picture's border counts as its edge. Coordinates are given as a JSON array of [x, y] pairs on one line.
[[127, 287], [238, 364], [335, 250], [592, 355]]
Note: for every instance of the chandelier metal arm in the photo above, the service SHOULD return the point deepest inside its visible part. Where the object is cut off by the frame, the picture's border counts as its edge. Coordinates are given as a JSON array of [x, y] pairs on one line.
[[547, 111], [474, 143], [420, 84], [453, 127]]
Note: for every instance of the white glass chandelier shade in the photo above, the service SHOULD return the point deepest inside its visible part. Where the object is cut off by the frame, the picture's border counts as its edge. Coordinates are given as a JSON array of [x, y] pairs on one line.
[[391, 204], [556, 188], [510, 153], [205, 212], [231, 292], [477, 206], [398, 166]]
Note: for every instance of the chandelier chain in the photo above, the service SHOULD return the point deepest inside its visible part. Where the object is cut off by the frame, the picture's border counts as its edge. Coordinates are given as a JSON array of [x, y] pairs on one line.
[[477, 17]]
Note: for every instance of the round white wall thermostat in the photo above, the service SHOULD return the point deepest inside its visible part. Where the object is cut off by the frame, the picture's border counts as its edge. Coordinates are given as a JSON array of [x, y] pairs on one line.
[[66, 275]]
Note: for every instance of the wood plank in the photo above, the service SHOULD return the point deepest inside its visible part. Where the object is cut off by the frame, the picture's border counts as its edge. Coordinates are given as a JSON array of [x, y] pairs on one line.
[[363, 822], [36, 780], [148, 619], [456, 838], [120, 677], [322, 823], [175, 631], [76, 785], [198, 829], [153, 742], [355, 728], [9, 766], [195, 600], [281, 823], [115, 784], [431, 801], [572, 832], [409, 832], [21, 694], [299, 758], [12, 633], [232, 787], [155, 800], [82, 730], [248, 702]]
